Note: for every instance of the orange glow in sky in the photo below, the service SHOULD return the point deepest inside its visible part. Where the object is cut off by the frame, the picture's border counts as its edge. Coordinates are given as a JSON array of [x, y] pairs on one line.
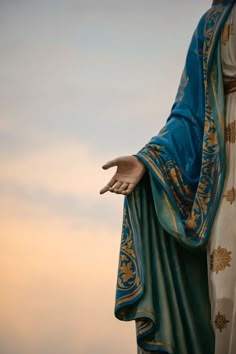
[[81, 83]]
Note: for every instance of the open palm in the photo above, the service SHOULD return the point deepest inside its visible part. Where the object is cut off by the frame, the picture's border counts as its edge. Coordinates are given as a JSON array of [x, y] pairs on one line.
[[129, 172]]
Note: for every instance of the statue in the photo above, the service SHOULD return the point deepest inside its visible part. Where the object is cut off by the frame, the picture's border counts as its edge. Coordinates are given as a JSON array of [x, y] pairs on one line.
[[175, 276]]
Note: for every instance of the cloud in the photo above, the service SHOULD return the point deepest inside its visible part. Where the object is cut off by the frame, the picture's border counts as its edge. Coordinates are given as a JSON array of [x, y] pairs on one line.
[[59, 256], [66, 168], [60, 181], [92, 72], [58, 269]]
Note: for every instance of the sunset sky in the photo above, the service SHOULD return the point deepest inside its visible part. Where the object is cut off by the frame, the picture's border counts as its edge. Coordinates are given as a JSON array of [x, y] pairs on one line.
[[82, 81]]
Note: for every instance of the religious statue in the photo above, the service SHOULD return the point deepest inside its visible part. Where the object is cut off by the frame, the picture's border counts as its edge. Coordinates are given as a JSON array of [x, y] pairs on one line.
[[176, 275]]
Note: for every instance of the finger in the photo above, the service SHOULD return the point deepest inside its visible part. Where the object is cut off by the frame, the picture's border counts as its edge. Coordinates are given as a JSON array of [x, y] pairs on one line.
[[129, 189], [123, 187], [108, 186], [109, 164], [104, 189], [115, 186]]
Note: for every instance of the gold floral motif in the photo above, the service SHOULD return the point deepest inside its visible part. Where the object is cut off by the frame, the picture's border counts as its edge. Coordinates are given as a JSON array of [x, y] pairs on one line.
[[196, 206], [230, 195], [221, 321], [230, 132], [180, 190], [205, 196], [126, 272], [127, 247], [191, 223], [220, 259], [183, 83], [226, 32], [210, 174], [128, 276]]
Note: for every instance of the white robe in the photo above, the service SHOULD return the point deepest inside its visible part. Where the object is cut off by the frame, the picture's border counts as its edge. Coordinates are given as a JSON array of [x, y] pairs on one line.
[[222, 244]]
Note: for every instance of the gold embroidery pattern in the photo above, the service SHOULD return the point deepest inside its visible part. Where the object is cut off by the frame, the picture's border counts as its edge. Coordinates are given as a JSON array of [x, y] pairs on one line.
[[230, 195], [183, 83], [182, 192], [196, 207], [127, 277], [230, 132], [196, 223], [226, 32], [127, 267], [221, 321], [220, 259], [211, 164]]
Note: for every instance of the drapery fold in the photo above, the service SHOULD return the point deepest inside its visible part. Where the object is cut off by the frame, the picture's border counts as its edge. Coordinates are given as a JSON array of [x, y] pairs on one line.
[[162, 274], [169, 317]]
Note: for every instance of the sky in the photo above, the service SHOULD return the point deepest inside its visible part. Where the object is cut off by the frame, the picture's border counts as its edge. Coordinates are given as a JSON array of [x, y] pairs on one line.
[[82, 82]]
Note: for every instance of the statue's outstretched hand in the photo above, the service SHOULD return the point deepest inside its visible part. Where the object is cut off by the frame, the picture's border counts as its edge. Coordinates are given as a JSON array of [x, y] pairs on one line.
[[129, 172]]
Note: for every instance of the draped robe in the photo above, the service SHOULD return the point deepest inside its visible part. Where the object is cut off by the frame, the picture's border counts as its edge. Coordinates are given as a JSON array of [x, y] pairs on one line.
[[162, 275]]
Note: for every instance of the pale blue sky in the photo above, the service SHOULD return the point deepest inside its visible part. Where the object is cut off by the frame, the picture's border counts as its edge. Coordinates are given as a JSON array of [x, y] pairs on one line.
[[91, 70], [81, 82]]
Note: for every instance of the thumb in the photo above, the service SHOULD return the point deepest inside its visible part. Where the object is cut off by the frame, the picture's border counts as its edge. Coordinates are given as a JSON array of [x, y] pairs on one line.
[[109, 164]]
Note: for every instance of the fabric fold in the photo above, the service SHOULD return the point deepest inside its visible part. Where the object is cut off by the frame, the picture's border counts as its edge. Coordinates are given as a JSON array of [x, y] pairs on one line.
[[170, 309], [162, 276]]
